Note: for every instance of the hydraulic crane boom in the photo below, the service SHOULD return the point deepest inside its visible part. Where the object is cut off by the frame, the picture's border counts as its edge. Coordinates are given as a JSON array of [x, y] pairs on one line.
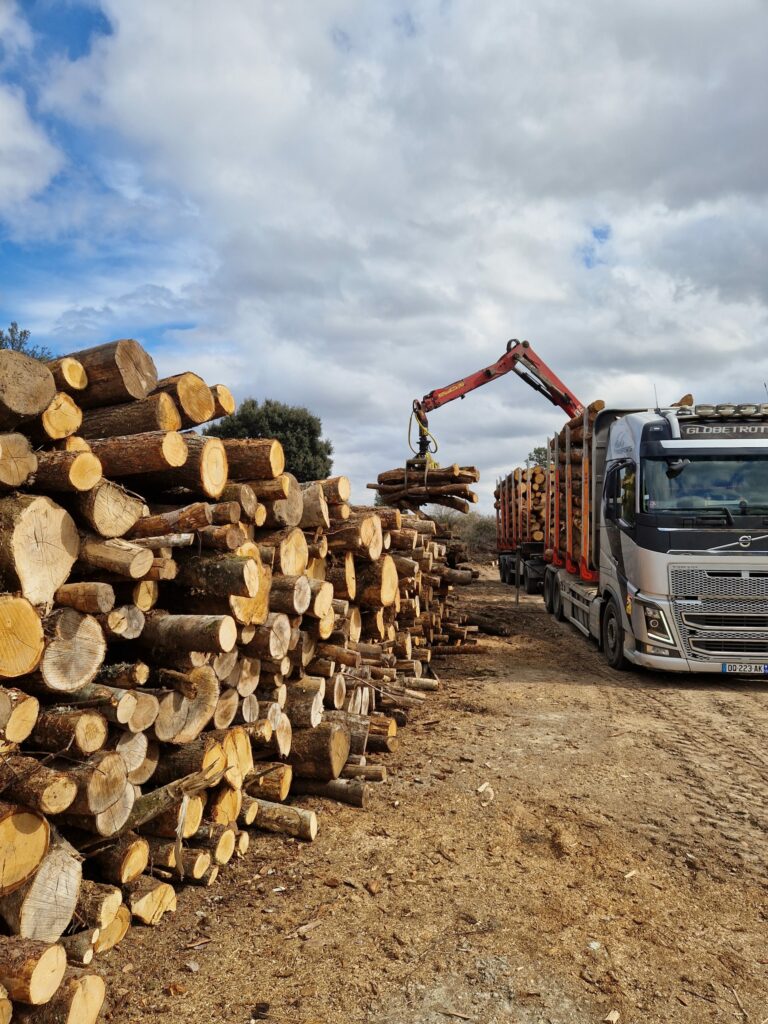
[[520, 358]]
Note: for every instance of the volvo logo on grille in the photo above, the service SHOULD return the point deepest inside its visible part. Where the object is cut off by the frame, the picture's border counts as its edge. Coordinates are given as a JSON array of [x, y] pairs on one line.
[[745, 541]]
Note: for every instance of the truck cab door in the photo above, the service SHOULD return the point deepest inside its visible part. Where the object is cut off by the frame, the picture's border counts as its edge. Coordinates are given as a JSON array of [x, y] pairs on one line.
[[619, 547]]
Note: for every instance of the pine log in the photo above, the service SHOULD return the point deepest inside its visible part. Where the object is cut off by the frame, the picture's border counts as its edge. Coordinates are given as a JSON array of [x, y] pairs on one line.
[[109, 509], [69, 373], [224, 401], [192, 396], [30, 971], [315, 506], [226, 709], [271, 490], [79, 946], [17, 461], [40, 545], [62, 418], [203, 754], [220, 839], [245, 496], [287, 511], [204, 472], [26, 388], [18, 714], [181, 819], [290, 594], [115, 556], [43, 907], [367, 772], [124, 674], [254, 458], [114, 933], [109, 821], [24, 839], [346, 791], [123, 860], [78, 1000], [225, 513], [168, 633], [286, 551], [337, 489], [123, 623], [356, 725], [290, 821], [377, 583], [24, 780], [321, 598], [341, 574], [136, 454], [74, 652], [221, 574], [320, 753], [156, 413], [271, 781], [66, 471], [149, 899], [77, 732], [117, 372], [304, 704], [188, 518], [99, 781], [271, 640], [140, 755], [182, 718], [91, 598], [361, 534]]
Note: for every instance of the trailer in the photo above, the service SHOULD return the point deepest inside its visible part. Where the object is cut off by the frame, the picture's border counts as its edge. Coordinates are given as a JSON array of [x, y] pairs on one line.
[[519, 501]]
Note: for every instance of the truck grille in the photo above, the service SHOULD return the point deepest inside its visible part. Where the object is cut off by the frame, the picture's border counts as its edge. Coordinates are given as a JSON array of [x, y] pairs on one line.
[[721, 614]]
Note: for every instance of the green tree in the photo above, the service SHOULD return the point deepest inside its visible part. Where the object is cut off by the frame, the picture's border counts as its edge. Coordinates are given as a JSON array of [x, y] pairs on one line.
[[18, 340], [539, 456], [307, 453]]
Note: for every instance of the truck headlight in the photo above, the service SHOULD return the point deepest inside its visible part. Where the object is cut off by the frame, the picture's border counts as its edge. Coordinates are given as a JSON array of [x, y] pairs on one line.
[[656, 625]]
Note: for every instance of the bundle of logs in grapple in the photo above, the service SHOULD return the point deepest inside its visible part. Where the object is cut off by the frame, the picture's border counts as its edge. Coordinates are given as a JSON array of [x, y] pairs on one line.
[[419, 483], [188, 637]]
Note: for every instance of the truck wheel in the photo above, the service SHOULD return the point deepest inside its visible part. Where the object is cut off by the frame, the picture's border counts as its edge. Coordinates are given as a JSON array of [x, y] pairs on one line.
[[557, 602], [613, 636], [502, 573], [548, 591], [531, 586]]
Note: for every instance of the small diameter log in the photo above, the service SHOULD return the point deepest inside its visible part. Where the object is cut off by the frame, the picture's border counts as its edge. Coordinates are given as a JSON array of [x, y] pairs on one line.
[[248, 812], [78, 1000], [181, 520], [97, 905], [21, 637], [286, 511], [68, 373], [272, 781], [321, 598], [108, 822], [202, 755], [116, 705], [74, 652], [226, 513], [117, 372], [124, 675], [24, 838], [346, 791], [226, 709], [285, 550], [341, 574], [271, 490], [165, 633], [366, 772], [99, 782], [357, 726], [290, 594], [76, 732], [79, 947], [26, 388], [245, 496], [62, 418], [377, 583], [115, 556], [114, 933], [156, 413], [24, 780], [123, 860], [109, 509], [149, 899], [204, 472], [320, 753], [223, 804], [315, 507], [135, 454], [254, 458], [123, 623], [189, 707], [67, 471], [43, 907], [272, 639], [40, 545], [304, 705], [224, 400], [289, 821], [18, 713], [336, 489], [180, 819], [220, 839], [89, 598], [221, 575], [30, 971], [191, 395], [17, 461], [139, 753]]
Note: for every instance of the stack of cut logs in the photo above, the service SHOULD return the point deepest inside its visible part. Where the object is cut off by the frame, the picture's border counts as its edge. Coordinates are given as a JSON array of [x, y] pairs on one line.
[[187, 637], [531, 494], [574, 449], [418, 483]]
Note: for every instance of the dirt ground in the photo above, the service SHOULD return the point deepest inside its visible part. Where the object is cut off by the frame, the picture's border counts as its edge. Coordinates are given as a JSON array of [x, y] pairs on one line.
[[615, 868]]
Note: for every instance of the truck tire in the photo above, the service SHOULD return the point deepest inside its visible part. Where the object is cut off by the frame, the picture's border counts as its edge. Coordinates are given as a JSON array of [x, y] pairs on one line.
[[557, 602], [530, 586], [548, 586], [613, 636], [502, 571]]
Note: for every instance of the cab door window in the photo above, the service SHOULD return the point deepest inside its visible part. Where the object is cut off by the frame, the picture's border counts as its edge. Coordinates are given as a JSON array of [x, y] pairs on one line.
[[627, 493]]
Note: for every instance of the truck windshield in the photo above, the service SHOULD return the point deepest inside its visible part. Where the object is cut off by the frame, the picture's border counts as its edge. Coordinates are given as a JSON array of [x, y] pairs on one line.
[[701, 482]]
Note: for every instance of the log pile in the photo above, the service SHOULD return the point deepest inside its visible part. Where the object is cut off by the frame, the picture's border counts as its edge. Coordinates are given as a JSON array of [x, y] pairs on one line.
[[571, 454], [418, 483], [520, 500], [188, 638]]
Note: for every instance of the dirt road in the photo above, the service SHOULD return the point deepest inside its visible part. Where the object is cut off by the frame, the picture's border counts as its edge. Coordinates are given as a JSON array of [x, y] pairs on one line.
[[616, 863]]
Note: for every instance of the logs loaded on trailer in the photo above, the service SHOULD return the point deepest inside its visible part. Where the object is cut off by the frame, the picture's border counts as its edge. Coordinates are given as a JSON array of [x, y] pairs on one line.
[[421, 483], [189, 638]]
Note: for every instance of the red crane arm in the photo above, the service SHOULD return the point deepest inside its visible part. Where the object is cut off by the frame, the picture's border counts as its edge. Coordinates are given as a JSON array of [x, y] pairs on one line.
[[519, 358]]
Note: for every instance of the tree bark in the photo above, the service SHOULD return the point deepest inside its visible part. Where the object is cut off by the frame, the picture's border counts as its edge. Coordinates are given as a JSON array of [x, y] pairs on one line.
[[123, 860], [156, 413], [221, 575], [204, 472], [30, 971], [115, 556], [117, 372], [286, 512], [377, 583], [346, 791], [135, 454], [188, 518], [24, 780], [90, 598], [290, 594], [165, 633], [320, 753], [192, 396], [290, 821], [254, 458], [66, 471]]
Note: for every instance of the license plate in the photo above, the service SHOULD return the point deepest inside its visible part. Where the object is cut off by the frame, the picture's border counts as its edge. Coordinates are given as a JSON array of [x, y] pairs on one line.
[[746, 670]]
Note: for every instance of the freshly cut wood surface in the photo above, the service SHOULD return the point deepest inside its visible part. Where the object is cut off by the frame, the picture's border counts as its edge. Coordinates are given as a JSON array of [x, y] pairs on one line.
[[78, 1000], [224, 401], [60, 419], [204, 472], [192, 396], [26, 388], [74, 652], [67, 471], [24, 838], [25, 780], [116, 556], [18, 714], [30, 971], [123, 860], [17, 460], [286, 511], [68, 373], [254, 458], [117, 372], [92, 598], [158, 412], [109, 509], [21, 637], [320, 753], [79, 731], [40, 545], [43, 907]]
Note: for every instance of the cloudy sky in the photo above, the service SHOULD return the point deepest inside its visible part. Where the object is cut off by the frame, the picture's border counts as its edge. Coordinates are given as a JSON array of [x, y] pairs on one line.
[[347, 204]]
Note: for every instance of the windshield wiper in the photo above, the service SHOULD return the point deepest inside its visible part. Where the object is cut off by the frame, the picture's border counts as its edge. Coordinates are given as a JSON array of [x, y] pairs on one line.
[[722, 510]]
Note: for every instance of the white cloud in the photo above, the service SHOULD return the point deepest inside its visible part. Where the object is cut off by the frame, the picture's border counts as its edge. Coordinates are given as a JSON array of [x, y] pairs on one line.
[[356, 203]]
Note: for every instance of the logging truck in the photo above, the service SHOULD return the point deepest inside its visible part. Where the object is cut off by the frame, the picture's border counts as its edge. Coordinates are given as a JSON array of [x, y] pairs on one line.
[[655, 534]]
